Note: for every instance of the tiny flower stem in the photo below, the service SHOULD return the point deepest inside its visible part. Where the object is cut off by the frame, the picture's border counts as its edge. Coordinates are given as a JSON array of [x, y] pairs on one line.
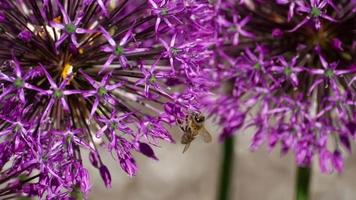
[[13, 174], [226, 170], [9, 190], [303, 177]]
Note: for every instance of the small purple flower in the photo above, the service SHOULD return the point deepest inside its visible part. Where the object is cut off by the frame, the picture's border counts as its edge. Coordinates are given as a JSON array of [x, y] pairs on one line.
[[70, 28], [18, 82], [236, 28], [172, 51], [56, 93], [289, 70], [73, 136], [150, 80], [116, 50], [114, 124], [328, 73], [315, 11], [163, 10], [101, 90]]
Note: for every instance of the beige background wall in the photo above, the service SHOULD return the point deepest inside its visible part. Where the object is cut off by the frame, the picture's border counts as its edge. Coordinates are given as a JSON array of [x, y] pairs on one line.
[[193, 176]]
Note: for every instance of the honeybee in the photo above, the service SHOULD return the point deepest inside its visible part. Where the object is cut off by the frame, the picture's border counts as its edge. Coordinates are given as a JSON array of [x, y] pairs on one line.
[[193, 126]]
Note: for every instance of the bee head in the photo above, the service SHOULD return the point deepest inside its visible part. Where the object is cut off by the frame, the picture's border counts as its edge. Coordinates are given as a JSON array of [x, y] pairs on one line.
[[198, 118]]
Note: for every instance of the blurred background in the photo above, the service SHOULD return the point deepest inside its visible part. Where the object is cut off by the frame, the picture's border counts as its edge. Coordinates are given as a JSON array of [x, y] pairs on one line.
[[194, 175]]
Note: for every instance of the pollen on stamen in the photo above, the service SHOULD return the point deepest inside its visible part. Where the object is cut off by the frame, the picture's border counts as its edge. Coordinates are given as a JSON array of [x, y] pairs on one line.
[[58, 20], [81, 51], [68, 70]]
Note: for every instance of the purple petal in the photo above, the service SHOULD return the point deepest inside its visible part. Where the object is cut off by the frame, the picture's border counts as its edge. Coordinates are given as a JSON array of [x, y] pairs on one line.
[[128, 164], [257, 141], [108, 37], [64, 13], [49, 78], [173, 40], [88, 78], [345, 141], [107, 63], [70, 92], [112, 87], [158, 21], [94, 159], [74, 40], [61, 40], [124, 40], [325, 162], [146, 150], [64, 103], [95, 106], [17, 67], [305, 20], [103, 8], [338, 161], [105, 175], [56, 25]]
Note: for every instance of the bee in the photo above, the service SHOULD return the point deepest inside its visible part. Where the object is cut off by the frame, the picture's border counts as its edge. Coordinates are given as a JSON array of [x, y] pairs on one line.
[[193, 126]]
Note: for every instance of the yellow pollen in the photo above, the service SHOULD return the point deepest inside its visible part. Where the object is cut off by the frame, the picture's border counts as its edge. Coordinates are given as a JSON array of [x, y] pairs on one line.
[[57, 20], [68, 69], [81, 50]]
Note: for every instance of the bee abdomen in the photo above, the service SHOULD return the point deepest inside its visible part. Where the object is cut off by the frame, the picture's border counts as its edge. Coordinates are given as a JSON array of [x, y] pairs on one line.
[[187, 138]]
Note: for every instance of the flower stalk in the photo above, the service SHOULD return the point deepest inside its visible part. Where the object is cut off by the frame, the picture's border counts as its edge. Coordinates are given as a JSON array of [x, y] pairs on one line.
[[303, 177], [227, 164]]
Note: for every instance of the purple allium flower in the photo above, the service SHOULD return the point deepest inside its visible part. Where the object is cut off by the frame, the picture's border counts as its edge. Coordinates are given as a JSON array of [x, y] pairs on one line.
[[314, 11], [76, 75], [286, 68]]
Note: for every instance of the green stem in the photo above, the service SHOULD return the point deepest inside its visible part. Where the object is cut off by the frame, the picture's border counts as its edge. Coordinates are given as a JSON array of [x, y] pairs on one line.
[[303, 183], [226, 169]]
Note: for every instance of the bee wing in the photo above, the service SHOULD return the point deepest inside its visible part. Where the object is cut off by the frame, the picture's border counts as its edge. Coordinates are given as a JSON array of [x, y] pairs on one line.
[[186, 147], [206, 135]]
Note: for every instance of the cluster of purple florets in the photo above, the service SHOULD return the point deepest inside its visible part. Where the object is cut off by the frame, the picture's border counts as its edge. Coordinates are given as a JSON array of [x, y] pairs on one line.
[[79, 75], [287, 69]]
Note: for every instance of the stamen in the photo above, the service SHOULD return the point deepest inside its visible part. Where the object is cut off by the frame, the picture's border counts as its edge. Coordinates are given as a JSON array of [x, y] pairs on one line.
[[58, 20], [315, 12], [70, 28], [68, 70], [19, 83], [119, 50]]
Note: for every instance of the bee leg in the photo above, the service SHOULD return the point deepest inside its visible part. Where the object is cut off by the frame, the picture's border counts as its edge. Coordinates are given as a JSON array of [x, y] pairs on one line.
[[186, 147], [183, 128]]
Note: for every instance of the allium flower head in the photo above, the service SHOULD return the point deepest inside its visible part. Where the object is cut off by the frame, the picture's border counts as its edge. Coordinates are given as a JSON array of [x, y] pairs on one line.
[[287, 68], [79, 75]]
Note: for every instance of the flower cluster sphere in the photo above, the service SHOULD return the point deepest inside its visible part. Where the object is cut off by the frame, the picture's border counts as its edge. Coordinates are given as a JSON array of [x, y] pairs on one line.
[[287, 68], [76, 75]]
